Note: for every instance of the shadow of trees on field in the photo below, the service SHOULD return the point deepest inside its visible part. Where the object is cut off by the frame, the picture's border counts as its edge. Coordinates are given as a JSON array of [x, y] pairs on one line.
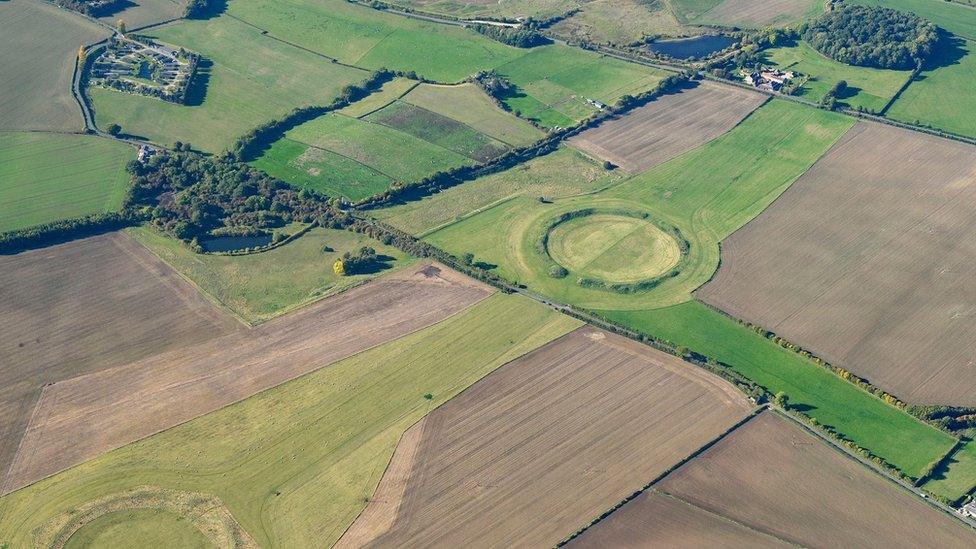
[[207, 9], [948, 51], [196, 93]]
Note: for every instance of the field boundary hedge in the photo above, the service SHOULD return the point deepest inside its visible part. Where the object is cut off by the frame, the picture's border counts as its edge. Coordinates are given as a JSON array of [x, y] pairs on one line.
[[66, 230]]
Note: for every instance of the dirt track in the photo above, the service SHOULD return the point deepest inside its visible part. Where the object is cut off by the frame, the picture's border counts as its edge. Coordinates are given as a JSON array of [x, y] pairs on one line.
[[80, 418], [88, 305], [668, 126], [869, 261], [550, 441], [774, 477]]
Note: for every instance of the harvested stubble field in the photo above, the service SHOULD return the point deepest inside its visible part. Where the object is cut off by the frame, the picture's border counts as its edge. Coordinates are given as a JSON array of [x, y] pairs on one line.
[[655, 519], [295, 464], [749, 13], [867, 262], [511, 9], [46, 176], [668, 126], [773, 476], [83, 417], [85, 306], [35, 89], [512, 460]]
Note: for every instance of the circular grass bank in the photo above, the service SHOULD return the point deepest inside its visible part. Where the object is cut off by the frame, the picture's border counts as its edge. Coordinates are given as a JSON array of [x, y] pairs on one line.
[[620, 250]]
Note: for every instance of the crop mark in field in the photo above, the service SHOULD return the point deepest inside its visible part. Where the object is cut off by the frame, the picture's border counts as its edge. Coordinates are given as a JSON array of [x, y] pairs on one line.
[[82, 417]]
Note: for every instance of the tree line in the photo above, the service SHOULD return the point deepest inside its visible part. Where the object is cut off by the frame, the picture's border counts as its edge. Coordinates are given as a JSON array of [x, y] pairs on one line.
[[518, 37]]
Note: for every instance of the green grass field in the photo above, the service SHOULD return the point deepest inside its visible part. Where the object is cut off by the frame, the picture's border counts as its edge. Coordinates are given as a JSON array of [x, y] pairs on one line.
[[321, 170], [260, 286], [618, 21], [45, 177], [296, 464], [388, 93], [958, 478], [139, 528], [540, 9], [867, 87], [467, 104], [562, 173], [372, 39], [943, 97], [899, 438], [555, 81], [253, 79], [707, 193], [355, 158], [439, 130]]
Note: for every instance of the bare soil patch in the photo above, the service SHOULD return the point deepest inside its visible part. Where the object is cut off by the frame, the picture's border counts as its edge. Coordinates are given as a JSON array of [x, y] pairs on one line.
[[668, 126], [84, 306], [775, 477], [83, 417], [549, 441], [868, 260], [655, 519]]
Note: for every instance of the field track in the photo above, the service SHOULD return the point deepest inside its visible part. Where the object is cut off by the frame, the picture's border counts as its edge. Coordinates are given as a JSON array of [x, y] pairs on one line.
[[774, 477], [544, 444], [868, 261], [81, 418], [668, 126], [84, 306]]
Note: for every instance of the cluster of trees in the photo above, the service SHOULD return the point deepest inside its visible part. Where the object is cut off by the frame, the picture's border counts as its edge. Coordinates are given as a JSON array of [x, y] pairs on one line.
[[93, 8], [518, 37], [948, 418], [366, 260], [494, 84], [872, 37], [834, 94], [200, 9], [189, 196], [249, 146]]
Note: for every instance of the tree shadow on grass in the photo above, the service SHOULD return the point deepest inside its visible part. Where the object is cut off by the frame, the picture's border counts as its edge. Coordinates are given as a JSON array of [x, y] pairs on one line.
[[948, 51], [209, 9], [196, 92]]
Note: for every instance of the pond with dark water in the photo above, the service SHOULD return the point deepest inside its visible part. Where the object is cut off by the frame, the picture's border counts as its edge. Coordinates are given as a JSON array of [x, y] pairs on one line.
[[234, 243], [696, 46]]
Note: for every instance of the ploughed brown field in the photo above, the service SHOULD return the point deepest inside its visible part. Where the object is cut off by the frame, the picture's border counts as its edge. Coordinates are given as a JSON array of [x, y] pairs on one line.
[[545, 444], [869, 261], [77, 308], [82, 417], [756, 14], [774, 477], [668, 126], [655, 519]]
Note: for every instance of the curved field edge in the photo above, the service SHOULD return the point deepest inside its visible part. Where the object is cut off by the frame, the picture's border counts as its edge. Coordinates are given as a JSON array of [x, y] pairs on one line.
[[707, 193], [319, 442]]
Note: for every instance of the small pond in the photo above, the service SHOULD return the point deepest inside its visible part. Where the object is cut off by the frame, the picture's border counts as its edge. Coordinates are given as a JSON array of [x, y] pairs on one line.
[[696, 46], [234, 243]]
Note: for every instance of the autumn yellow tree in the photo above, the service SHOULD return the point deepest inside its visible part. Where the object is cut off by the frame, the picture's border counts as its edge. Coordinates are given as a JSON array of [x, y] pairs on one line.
[[339, 268], [120, 25], [81, 55]]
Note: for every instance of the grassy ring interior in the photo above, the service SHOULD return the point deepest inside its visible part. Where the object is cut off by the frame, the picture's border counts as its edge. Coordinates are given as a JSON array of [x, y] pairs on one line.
[[620, 250]]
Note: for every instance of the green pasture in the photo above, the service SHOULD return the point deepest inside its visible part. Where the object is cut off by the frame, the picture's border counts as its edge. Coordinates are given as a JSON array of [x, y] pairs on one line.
[[139, 528], [707, 193], [321, 170], [559, 174], [46, 176], [618, 21], [439, 130], [866, 87], [260, 286], [958, 477], [467, 104], [388, 93], [391, 152], [942, 96], [253, 80], [372, 39], [890, 433], [540, 9], [297, 463]]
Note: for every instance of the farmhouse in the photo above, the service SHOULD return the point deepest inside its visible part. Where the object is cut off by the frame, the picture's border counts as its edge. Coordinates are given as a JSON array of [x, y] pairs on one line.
[[767, 79]]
